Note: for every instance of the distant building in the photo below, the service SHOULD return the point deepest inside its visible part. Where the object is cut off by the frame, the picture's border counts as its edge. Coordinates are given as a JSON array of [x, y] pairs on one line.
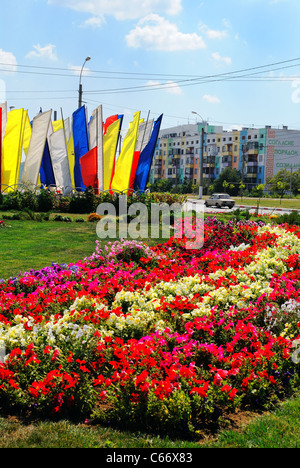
[[256, 153]]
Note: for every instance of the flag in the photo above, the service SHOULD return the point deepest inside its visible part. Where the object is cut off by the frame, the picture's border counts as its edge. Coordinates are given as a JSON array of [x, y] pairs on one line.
[[121, 177], [81, 144], [0, 146], [146, 157], [3, 112], [71, 157], [27, 134], [110, 143], [33, 161], [12, 147], [110, 120], [57, 125], [46, 171], [143, 138], [89, 164], [4, 117], [96, 141], [70, 148], [59, 158]]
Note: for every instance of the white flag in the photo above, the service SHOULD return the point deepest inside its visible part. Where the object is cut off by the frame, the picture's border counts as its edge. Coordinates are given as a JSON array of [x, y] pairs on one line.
[[96, 140], [32, 166], [4, 117], [60, 162], [145, 130]]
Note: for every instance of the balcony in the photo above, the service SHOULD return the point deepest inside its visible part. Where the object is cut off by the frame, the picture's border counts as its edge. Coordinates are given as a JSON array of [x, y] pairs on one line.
[[227, 153], [209, 160], [253, 151]]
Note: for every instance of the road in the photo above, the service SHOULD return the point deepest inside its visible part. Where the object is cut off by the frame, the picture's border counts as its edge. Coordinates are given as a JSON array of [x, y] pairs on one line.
[[199, 206]]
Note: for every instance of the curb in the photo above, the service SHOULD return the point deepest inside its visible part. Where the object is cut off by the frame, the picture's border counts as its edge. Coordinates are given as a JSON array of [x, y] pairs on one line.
[[246, 207], [267, 208]]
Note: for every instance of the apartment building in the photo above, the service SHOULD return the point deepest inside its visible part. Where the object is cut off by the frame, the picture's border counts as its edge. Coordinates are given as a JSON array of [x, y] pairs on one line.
[[183, 151]]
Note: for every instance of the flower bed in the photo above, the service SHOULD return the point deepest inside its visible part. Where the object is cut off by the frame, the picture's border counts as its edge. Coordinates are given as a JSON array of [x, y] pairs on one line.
[[161, 337]]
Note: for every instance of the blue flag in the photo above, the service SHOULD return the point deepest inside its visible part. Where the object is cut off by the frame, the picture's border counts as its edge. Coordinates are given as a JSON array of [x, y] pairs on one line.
[[81, 144], [46, 171], [146, 157]]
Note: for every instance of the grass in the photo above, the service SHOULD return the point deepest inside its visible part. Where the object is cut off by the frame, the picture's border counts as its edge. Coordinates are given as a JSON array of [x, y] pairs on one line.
[[279, 429], [29, 244], [292, 204]]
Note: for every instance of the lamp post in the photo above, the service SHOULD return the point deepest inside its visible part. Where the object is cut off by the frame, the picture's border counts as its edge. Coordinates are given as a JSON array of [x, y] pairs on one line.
[[202, 155], [80, 85]]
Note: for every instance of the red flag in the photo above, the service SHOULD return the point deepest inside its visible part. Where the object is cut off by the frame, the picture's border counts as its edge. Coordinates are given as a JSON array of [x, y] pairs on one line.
[[88, 164], [108, 122], [135, 163]]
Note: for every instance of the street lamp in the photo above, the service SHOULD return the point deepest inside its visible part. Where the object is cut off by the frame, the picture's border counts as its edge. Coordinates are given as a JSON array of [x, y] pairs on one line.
[[80, 85], [202, 156]]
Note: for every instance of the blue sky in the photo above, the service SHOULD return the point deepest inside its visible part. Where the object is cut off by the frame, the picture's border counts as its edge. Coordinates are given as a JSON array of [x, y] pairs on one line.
[[149, 55]]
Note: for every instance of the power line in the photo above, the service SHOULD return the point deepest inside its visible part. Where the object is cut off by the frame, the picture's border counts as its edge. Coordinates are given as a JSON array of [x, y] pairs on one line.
[[188, 81]]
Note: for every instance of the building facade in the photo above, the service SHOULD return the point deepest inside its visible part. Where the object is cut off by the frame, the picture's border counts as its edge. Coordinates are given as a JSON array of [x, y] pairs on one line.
[[183, 151]]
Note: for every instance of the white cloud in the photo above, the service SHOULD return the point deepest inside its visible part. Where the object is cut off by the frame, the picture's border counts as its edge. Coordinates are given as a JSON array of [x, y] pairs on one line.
[[216, 56], [213, 33], [77, 70], [157, 33], [121, 9], [8, 61], [211, 99], [46, 52], [94, 22], [170, 87]]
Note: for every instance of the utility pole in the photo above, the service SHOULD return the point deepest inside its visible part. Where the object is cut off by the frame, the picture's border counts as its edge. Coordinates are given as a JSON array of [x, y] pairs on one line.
[[201, 156], [80, 85]]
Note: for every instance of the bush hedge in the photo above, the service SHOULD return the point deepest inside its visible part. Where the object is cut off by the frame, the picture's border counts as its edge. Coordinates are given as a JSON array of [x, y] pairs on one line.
[[82, 203]]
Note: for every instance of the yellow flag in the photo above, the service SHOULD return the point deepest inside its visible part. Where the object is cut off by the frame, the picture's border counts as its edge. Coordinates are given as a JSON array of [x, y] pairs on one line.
[[27, 133], [57, 125], [110, 141], [12, 148], [121, 179], [71, 157]]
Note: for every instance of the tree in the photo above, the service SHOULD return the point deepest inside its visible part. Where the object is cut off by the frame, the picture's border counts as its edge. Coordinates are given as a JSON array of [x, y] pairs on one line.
[[260, 191], [284, 180], [229, 179]]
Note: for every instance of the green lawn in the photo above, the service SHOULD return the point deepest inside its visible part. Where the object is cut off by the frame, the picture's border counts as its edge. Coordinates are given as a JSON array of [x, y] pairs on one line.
[[30, 244], [27, 245], [292, 204]]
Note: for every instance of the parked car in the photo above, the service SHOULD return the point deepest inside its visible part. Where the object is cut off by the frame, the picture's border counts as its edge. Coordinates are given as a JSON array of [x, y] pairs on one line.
[[220, 200]]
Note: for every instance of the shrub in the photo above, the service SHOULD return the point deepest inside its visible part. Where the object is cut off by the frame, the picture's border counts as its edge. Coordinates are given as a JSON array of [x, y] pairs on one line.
[[93, 217], [45, 200]]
